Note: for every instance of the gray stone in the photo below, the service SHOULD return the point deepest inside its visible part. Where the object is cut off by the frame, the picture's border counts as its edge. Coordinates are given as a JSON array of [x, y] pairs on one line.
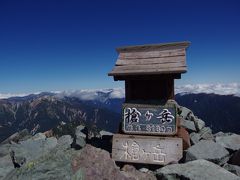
[[208, 150], [232, 168], [33, 149], [195, 170], [6, 166], [199, 124], [189, 125], [54, 165], [185, 113], [220, 133], [64, 142], [96, 164], [144, 170], [231, 142], [206, 134], [194, 138], [18, 136], [80, 141], [80, 128], [4, 149], [131, 172], [39, 136], [105, 133], [80, 136]]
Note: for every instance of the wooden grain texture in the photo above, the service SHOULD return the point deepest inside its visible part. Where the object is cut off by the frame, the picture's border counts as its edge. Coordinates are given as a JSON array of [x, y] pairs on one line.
[[165, 60], [146, 149], [152, 54], [151, 66], [116, 72], [133, 70], [161, 46]]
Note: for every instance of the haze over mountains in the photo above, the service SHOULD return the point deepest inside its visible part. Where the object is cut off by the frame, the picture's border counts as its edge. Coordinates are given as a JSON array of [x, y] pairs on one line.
[[102, 108]]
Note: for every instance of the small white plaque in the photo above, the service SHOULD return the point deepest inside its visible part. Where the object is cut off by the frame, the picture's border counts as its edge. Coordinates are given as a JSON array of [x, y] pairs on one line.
[[146, 149]]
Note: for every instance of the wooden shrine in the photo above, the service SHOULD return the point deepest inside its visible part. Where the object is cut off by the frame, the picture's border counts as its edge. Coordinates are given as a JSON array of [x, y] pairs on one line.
[[149, 120]]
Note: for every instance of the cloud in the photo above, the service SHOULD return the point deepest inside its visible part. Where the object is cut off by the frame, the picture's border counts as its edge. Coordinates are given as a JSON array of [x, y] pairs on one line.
[[221, 89], [8, 95], [104, 94], [94, 94]]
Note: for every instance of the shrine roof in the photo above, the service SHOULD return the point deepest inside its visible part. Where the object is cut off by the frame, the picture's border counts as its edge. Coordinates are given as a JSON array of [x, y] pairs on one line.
[[153, 59]]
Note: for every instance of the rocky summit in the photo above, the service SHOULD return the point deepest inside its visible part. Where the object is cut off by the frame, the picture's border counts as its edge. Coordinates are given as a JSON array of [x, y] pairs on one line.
[[80, 153]]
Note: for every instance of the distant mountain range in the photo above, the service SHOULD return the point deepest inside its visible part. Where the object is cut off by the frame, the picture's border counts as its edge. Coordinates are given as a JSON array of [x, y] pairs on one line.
[[102, 109]]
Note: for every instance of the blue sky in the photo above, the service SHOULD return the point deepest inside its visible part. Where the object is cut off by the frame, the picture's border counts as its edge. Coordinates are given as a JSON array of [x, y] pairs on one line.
[[48, 45]]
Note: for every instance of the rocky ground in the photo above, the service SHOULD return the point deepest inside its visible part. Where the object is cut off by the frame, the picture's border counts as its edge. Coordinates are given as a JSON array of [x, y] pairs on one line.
[[87, 155]]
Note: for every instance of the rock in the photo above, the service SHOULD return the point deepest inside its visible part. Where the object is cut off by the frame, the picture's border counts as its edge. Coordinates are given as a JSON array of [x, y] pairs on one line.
[[6, 165], [199, 124], [144, 170], [18, 136], [64, 142], [195, 170], [105, 133], [232, 168], [48, 133], [189, 125], [206, 134], [194, 138], [220, 133], [4, 150], [80, 140], [53, 165], [96, 164], [39, 136], [131, 172], [79, 175], [34, 148], [80, 128], [231, 142], [208, 150], [185, 113], [235, 159]]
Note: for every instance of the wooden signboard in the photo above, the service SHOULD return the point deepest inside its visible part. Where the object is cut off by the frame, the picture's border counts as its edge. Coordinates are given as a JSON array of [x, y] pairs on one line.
[[146, 149], [149, 119]]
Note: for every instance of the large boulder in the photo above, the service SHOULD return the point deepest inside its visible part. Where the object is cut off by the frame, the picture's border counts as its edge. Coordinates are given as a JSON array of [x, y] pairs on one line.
[[96, 164], [206, 134], [200, 124], [18, 136], [6, 165], [53, 165], [185, 113], [232, 168], [80, 136], [189, 125], [195, 170], [194, 138], [64, 142], [34, 148], [208, 150], [131, 172], [231, 142]]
